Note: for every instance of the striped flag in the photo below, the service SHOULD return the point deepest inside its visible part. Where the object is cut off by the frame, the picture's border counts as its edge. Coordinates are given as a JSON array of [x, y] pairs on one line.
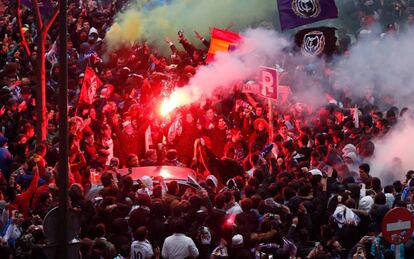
[[222, 41]]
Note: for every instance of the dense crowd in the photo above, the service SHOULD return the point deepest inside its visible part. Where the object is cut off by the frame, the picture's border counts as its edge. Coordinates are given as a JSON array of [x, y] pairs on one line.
[[294, 184]]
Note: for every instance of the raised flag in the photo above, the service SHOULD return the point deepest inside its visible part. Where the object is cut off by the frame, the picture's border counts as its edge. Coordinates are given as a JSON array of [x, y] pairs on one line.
[[91, 83], [294, 13], [268, 85], [222, 41], [316, 41]]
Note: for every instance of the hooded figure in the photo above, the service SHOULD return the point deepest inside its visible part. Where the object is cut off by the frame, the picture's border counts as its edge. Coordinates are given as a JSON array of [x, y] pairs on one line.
[[352, 160], [148, 185], [93, 36], [365, 203], [348, 148]]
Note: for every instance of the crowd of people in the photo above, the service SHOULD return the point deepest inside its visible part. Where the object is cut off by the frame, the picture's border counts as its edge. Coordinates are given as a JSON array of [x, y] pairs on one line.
[[290, 183]]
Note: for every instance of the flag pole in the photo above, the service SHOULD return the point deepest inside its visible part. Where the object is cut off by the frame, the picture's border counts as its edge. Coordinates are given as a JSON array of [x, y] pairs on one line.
[[63, 134], [269, 103]]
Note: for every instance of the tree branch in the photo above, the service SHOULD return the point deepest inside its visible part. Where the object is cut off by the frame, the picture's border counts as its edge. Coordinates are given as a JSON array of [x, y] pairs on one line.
[[19, 21], [47, 26], [38, 16]]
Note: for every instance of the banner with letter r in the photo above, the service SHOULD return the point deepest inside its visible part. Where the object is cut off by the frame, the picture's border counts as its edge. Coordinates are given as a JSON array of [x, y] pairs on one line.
[[268, 82]]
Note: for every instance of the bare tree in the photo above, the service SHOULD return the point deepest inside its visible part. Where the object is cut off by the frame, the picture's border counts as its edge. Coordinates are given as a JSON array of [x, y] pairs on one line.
[[19, 21], [42, 28]]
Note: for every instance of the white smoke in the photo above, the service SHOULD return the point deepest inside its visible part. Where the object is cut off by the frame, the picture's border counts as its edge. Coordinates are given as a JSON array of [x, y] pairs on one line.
[[260, 47], [383, 66], [394, 154]]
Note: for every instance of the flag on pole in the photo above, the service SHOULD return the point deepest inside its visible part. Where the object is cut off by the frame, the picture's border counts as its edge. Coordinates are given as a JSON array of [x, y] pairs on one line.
[[91, 83], [316, 41], [267, 87], [294, 13], [269, 82], [222, 41]]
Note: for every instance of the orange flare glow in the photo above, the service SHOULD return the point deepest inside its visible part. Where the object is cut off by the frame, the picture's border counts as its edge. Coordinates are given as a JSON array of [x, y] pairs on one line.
[[175, 100], [166, 107]]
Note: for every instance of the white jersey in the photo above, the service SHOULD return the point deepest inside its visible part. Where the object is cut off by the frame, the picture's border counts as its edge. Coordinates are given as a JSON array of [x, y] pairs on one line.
[[141, 250], [179, 246]]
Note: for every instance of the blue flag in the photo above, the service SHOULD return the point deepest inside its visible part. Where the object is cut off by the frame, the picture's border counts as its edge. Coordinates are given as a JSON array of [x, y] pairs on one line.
[[294, 13], [316, 41]]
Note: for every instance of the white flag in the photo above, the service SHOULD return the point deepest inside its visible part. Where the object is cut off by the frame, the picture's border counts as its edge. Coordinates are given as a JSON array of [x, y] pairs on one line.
[[148, 138]]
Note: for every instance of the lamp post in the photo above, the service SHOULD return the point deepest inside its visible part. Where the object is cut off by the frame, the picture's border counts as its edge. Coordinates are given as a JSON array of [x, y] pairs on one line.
[[63, 134]]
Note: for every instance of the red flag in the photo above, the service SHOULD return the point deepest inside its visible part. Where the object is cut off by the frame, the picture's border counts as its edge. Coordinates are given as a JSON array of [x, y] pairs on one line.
[[222, 41], [91, 83]]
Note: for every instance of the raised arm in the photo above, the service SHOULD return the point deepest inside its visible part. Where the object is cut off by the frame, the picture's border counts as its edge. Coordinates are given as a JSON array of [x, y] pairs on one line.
[[33, 185], [171, 44], [202, 39]]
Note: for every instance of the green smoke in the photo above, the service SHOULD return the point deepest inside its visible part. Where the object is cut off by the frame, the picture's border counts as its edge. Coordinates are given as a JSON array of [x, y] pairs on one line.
[[137, 23]]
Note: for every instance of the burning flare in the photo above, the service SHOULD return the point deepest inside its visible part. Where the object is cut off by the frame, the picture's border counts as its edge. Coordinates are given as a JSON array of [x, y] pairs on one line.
[[167, 106], [177, 99]]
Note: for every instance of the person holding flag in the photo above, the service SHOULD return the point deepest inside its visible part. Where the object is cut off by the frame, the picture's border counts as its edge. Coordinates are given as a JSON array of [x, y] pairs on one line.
[[91, 83]]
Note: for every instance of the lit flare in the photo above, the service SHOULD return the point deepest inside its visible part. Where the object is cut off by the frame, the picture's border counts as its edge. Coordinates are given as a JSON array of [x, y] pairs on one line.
[[175, 100]]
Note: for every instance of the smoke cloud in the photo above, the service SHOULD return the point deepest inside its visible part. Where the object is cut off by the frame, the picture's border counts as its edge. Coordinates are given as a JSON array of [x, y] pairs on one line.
[[139, 23], [394, 154], [382, 66], [260, 47], [125, 30]]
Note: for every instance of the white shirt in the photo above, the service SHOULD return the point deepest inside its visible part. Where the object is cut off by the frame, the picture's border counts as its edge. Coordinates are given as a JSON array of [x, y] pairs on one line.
[[141, 250], [235, 209], [110, 143], [179, 246]]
